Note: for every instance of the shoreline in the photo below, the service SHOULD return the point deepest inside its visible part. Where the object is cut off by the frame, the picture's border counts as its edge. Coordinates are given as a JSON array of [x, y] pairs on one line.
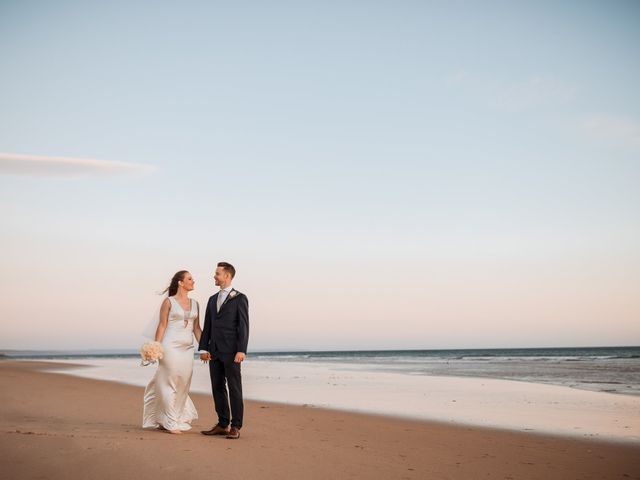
[[597, 369], [56, 367], [487, 403], [55, 424]]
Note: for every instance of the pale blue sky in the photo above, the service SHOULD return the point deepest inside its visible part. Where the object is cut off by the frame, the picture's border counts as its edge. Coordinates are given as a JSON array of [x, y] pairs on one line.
[[383, 174]]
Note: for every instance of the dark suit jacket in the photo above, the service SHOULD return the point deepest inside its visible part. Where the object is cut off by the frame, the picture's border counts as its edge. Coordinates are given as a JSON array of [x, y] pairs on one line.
[[226, 331]]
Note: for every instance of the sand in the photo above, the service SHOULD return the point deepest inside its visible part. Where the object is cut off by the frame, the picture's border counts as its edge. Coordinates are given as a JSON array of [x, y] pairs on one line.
[[58, 426], [482, 402]]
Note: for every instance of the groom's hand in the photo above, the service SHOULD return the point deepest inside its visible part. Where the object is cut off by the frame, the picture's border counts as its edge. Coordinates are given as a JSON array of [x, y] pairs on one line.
[[239, 357], [205, 356]]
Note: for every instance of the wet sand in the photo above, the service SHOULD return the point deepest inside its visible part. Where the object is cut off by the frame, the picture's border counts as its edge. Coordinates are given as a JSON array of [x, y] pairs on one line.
[[58, 426]]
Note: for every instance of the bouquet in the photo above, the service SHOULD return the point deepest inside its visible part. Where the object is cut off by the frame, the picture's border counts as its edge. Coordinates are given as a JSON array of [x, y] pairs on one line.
[[151, 352]]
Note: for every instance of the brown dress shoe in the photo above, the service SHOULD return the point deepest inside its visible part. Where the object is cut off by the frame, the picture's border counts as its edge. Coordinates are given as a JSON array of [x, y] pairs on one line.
[[233, 434], [216, 430]]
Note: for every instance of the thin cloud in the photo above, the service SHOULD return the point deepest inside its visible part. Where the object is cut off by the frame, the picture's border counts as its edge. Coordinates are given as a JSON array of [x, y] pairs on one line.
[[457, 78], [534, 92], [537, 91], [614, 128], [41, 166]]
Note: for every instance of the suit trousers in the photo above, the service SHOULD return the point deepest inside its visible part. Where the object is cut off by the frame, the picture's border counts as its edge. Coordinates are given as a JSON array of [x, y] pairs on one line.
[[224, 371]]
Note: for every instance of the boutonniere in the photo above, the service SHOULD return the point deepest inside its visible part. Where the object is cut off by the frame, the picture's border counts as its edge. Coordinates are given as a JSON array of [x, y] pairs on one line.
[[233, 293]]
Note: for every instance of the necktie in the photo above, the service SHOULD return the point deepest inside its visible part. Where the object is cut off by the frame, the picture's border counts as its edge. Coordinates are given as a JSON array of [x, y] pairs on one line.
[[219, 301]]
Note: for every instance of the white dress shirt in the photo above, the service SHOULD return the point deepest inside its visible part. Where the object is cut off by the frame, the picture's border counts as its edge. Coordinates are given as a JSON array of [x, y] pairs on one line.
[[222, 296]]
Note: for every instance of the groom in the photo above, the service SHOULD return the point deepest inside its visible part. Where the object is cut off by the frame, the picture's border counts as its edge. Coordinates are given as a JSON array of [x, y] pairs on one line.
[[224, 345]]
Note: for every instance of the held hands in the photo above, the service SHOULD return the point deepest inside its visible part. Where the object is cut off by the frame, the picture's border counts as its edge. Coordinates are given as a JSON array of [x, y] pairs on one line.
[[206, 356]]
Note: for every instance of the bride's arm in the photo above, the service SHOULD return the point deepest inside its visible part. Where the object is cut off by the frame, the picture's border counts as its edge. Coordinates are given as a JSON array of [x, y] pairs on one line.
[[164, 320], [197, 331]]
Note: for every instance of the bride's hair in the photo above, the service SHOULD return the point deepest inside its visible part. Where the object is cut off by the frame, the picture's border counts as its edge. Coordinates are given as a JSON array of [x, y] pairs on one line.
[[173, 286]]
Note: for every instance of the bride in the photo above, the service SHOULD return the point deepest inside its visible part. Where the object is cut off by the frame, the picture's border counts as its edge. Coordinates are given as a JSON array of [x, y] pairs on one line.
[[167, 405]]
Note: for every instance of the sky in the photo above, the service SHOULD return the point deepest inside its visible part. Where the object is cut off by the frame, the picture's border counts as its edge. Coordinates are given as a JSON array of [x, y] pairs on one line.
[[383, 175]]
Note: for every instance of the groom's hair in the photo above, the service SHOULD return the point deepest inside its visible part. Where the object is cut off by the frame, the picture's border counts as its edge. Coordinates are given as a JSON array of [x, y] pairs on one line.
[[227, 267]]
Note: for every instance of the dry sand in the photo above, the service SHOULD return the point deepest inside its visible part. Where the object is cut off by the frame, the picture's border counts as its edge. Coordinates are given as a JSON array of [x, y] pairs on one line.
[[58, 426]]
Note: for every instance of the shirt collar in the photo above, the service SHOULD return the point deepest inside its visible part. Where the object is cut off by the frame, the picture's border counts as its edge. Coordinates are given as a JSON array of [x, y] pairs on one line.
[[228, 289]]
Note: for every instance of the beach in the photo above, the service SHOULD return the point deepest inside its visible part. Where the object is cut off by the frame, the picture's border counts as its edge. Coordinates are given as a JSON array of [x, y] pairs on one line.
[[377, 389], [61, 426]]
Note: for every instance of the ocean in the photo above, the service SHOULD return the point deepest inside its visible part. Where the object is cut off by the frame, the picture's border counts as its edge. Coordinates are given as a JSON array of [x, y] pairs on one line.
[[600, 369]]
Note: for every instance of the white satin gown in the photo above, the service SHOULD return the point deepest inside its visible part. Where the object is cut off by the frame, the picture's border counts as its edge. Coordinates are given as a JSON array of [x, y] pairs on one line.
[[166, 398]]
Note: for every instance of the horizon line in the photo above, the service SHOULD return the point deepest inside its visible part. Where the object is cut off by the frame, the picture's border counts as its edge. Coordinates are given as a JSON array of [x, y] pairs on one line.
[[258, 351]]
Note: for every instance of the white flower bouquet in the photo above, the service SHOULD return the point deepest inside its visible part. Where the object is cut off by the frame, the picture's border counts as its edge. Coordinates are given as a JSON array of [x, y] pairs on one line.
[[151, 352]]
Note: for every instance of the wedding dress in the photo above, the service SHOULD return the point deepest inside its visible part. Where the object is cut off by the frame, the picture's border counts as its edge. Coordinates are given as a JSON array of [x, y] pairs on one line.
[[166, 398]]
